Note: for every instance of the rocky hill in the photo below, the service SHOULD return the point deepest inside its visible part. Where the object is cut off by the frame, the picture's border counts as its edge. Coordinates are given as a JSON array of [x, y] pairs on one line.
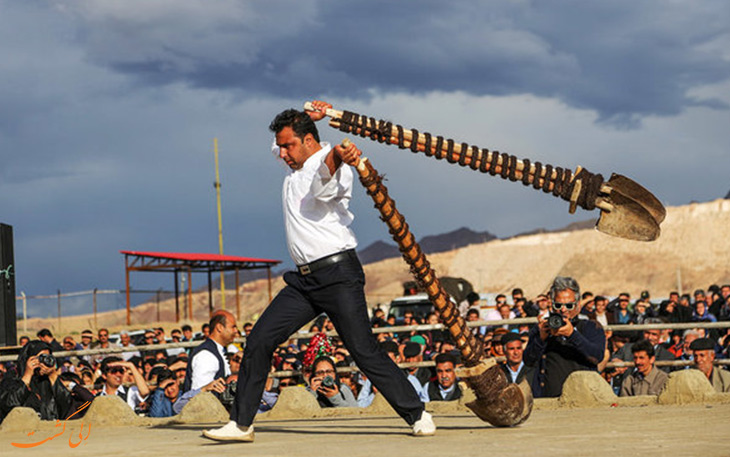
[[693, 251]]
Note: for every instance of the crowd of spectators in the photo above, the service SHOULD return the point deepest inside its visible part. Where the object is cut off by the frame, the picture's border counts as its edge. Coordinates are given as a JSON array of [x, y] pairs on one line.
[[158, 383]]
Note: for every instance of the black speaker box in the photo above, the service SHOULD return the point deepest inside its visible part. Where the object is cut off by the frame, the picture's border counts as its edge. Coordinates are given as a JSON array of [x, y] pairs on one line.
[[8, 324]]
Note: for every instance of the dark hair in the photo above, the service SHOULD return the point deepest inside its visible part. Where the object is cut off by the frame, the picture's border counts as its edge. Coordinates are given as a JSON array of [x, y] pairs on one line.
[[299, 121], [187, 328], [218, 318], [69, 376], [204, 326], [471, 297], [164, 375], [516, 291], [33, 347], [643, 345], [389, 346], [105, 363], [472, 311], [44, 332], [446, 357]]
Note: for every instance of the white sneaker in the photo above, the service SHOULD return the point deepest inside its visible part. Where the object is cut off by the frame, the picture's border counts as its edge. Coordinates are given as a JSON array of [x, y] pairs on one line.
[[424, 426], [230, 432]]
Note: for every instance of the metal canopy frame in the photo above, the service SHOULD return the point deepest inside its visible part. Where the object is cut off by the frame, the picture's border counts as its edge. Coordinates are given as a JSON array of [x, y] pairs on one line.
[[192, 263]]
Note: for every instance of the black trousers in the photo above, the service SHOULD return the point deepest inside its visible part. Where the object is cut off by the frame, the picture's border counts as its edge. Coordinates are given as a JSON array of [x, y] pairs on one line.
[[338, 291]]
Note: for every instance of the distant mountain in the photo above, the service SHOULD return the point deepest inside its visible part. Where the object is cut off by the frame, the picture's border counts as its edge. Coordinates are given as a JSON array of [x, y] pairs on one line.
[[580, 225], [378, 251], [459, 238], [727, 196]]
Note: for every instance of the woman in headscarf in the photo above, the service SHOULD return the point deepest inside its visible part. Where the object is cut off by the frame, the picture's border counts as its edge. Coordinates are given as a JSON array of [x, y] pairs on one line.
[[37, 385]]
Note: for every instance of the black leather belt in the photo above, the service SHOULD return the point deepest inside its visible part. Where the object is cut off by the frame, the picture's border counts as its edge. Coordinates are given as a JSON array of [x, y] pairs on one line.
[[318, 264]]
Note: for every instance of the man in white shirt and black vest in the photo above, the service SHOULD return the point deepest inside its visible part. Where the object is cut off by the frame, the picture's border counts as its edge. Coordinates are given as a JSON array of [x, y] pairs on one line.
[[328, 278], [208, 361]]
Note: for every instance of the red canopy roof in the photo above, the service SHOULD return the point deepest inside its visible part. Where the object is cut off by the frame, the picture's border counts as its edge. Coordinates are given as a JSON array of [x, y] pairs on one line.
[[195, 257]]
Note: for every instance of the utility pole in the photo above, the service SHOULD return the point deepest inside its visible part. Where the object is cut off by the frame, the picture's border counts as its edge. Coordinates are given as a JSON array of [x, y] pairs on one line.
[[217, 186]]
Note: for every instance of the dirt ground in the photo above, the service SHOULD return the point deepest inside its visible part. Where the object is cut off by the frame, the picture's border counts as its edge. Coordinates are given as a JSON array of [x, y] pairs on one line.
[[693, 430]]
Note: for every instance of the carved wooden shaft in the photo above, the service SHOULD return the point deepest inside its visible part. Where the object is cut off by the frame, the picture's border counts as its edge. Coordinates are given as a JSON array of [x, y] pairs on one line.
[[470, 347]]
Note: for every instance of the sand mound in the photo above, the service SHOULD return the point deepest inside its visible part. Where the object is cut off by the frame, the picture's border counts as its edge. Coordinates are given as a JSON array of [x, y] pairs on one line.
[[203, 407], [110, 410], [297, 402], [21, 419], [686, 386], [587, 389]]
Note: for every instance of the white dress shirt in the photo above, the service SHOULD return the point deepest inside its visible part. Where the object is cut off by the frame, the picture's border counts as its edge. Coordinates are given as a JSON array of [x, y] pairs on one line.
[[205, 367], [316, 215]]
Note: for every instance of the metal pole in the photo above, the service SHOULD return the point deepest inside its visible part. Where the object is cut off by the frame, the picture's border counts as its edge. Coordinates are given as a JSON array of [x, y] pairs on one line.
[[126, 273], [238, 299], [679, 280], [268, 271], [158, 305], [59, 311], [94, 301], [217, 186], [190, 294], [177, 300], [210, 294], [25, 312]]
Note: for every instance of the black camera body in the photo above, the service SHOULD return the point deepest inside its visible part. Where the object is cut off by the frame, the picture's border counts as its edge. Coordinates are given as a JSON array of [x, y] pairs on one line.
[[47, 360], [328, 382], [555, 321]]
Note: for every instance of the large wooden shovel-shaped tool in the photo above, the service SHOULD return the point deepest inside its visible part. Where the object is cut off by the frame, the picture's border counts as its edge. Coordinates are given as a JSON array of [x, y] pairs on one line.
[[497, 402], [627, 209]]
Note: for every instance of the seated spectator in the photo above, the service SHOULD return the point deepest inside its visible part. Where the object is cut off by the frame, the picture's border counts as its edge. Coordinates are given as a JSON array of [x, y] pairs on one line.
[[70, 345], [346, 377], [37, 384], [114, 370], [702, 314], [187, 332], [645, 378], [445, 387], [418, 376], [167, 401], [472, 315], [46, 336], [79, 394], [125, 341], [514, 367], [704, 356], [622, 315], [324, 384], [101, 343]]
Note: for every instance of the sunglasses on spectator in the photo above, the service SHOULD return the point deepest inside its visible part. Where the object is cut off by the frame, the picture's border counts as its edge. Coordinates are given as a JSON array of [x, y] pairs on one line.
[[568, 306], [236, 359], [115, 370], [324, 372]]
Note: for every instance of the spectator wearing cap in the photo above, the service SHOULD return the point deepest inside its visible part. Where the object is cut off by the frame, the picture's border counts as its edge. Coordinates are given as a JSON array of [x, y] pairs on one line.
[[412, 354], [703, 350], [445, 387], [645, 378], [46, 336], [423, 374], [514, 367]]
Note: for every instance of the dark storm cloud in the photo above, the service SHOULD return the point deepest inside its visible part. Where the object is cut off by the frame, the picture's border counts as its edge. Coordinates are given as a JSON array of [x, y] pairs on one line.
[[623, 59]]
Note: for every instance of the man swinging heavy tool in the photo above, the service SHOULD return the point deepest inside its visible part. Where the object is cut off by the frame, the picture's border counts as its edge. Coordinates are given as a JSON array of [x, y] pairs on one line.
[[329, 277]]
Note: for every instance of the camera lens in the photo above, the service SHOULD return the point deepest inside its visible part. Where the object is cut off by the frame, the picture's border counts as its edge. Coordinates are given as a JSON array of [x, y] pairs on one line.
[[328, 381], [47, 360], [555, 321]]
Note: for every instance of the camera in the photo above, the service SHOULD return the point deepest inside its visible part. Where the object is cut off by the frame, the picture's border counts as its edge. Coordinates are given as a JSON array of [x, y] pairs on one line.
[[228, 397], [555, 321], [328, 382], [47, 360]]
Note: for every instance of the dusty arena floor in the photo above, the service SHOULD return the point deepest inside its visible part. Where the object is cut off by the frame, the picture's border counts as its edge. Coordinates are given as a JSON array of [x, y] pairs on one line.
[[693, 430]]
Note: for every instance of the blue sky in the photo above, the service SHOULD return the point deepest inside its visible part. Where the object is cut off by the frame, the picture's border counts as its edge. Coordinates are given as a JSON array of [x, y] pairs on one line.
[[110, 107]]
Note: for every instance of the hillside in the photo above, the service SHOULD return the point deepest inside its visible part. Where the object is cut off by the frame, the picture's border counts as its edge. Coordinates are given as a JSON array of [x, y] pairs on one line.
[[694, 247]]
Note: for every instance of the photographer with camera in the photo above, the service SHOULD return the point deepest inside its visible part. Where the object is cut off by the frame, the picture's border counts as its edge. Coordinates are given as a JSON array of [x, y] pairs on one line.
[[37, 385], [563, 342], [324, 383]]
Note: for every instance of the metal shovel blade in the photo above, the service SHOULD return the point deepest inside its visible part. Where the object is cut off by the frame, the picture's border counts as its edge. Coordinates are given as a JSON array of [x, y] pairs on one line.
[[632, 190], [636, 213]]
